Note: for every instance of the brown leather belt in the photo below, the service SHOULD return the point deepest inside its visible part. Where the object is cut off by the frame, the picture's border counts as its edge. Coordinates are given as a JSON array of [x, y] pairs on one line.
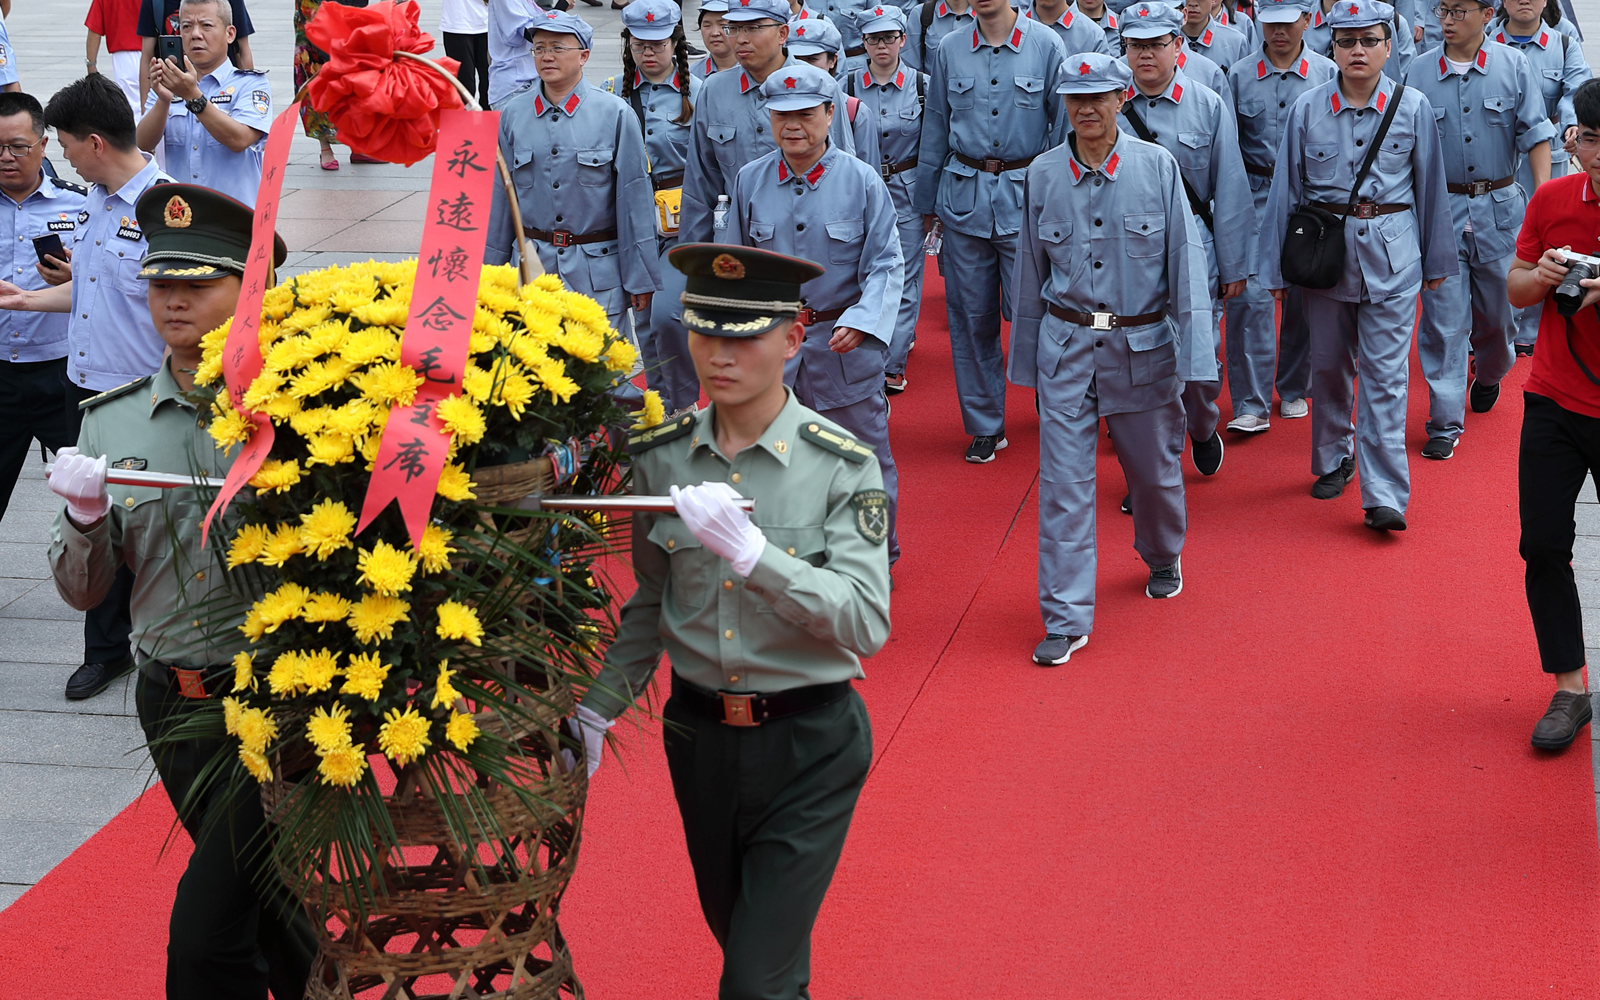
[[809, 316], [662, 182], [1251, 168], [563, 238], [1473, 189], [888, 170], [1102, 320], [859, 50], [1361, 209], [745, 709], [992, 165]]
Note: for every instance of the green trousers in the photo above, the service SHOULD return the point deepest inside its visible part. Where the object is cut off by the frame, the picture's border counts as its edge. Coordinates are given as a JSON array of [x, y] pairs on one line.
[[233, 934], [765, 812]]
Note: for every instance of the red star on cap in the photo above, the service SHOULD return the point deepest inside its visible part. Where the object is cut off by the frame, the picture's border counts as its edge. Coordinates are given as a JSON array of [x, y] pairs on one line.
[[878, 11], [788, 83], [649, 17], [1144, 11], [1083, 69], [1354, 9], [800, 30]]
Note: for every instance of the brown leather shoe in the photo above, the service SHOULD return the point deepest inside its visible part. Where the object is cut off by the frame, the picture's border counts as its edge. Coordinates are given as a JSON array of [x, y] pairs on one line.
[[1568, 713]]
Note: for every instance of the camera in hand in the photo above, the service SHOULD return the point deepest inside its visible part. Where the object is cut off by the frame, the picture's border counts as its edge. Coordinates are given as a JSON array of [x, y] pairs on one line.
[[1569, 294]]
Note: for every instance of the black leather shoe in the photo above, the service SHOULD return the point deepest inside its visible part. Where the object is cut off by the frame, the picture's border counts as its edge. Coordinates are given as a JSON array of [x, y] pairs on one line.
[[1127, 505], [1331, 485], [1384, 519], [92, 678], [1568, 712], [1482, 397], [1523, 350], [1207, 454]]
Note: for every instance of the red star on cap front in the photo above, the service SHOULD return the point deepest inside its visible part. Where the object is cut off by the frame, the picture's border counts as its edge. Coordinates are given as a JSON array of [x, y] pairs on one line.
[[878, 11], [1144, 11], [1083, 69], [649, 17], [788, 83], [1354, 9], [800, 30]]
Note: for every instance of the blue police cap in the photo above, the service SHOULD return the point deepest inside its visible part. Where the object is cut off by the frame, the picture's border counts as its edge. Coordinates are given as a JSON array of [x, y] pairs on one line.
[[562, 23], [1093, 73], [812, 36], [1281, 11], [755, 10], [651, 20], [1359, 14], [797, 87], [1150, 20], [881, 17]]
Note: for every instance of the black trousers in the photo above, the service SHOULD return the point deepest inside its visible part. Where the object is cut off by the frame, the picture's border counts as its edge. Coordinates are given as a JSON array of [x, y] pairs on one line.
[[234, 933], [1559, 450], [472, 52], [108, 625], [765, 812], [34, 403]]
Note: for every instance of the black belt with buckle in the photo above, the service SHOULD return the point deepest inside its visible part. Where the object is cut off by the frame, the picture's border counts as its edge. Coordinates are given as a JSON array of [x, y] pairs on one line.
[[810, 317], [991, 165], [745, 709], [1103, 320], [1476, 189], [663, 182], [888, 169], [1361, 209], [562, 238]]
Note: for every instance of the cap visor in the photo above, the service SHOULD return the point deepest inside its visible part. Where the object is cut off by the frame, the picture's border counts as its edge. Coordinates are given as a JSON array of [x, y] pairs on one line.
[[652, 33], [1281, 15], [731, 323], [795, 102], [808, 49], [880, 26], [1099, 87], [1141, 31], [182, 270]]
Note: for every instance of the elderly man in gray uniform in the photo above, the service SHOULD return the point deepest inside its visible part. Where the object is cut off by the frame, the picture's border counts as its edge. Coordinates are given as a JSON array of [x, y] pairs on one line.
[[1193, 123], [599, 232], [1115, 341], [806, 199], [731, 126], [1397, 240], [1264, 89], [1490, 112]]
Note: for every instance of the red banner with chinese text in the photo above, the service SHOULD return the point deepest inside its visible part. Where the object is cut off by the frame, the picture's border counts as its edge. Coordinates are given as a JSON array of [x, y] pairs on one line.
[[241, 353], [444, 299]]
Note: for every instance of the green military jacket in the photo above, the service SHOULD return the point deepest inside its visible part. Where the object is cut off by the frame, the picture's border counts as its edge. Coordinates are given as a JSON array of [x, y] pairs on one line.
[[185, 605], [818, 598]]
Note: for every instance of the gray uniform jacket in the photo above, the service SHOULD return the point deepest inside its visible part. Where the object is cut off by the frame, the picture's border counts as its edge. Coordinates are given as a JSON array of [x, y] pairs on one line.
[[1077, 33], [944, 22], [731, 128], [840, 215], [579, 168], [966, 114], [1221, 44], [1558, 64], [1129, 215], [1505, 120], [1201, 70], [896, 107], [659, 106], [1387, 255]]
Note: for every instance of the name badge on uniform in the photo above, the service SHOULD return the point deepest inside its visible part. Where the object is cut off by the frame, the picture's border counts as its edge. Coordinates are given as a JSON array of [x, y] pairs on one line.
[[62, 225], [131, 464], [223, 96], [129, 230]]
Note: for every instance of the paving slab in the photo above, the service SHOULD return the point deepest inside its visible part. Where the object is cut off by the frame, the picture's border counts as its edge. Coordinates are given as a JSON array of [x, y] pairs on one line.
[[68, 795], [33, 848], [59, 738], [41, 687]]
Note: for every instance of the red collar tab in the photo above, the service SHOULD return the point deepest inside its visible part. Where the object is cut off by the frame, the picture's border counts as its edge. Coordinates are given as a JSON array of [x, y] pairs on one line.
[[1205, 39], [1261, 69], [1305, 68], [1381, 100], [783, 170], [1444, 67], [816, 174], [572, 104], [943, 9], [1483, 59], [1333, 99], [1500, 37], [638, 79], [538, 104], [1111, 19], [1066, 19], [866, 78], [1016, 38], [1544, 38], [1176, 92], [975, 39], [710, 65], [1129, 95], [899, 77], [1109, 168], [744, 82], [1316, 17], [1183, 57], [1077, 173]]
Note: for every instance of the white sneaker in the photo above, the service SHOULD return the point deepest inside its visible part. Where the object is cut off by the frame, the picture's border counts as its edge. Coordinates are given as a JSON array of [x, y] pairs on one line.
[[1249, 423], [1293, 409]]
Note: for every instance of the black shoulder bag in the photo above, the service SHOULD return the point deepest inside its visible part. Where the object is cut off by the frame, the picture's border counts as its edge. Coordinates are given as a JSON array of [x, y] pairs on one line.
[[1201, 210], [1313, 243]]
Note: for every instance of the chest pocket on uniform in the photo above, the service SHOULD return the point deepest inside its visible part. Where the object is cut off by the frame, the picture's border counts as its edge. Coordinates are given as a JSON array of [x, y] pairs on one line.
[[594, 167], [1250, 109], [761, 232], [1194, 150], [959, 91], [1499, 111], [721, 134], [691, 567], [844, 240], [1145, 234], [1322, 160], [1056, 235], [1396, 152], [1030, 91]]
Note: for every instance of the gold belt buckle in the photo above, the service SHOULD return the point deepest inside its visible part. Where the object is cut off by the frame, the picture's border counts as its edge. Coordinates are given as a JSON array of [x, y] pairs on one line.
[[736, 710], [191, 683]]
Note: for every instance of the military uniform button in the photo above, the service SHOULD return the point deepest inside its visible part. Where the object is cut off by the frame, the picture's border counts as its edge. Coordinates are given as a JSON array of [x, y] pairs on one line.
[[790, 550], [813, 428], [734, 477], [727, 633], [129, 501], [672, 543], [200, 575], [727, 585]]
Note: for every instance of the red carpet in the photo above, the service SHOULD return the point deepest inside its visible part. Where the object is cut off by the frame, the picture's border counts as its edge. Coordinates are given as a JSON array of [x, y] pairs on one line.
[[1308, 776]]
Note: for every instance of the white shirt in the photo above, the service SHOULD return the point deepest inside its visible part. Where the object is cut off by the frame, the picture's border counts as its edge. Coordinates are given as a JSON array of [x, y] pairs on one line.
[[465, 17]]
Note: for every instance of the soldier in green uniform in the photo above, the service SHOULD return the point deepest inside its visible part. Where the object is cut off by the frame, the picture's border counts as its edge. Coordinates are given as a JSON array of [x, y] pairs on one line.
[[765, 616], [230, 935]]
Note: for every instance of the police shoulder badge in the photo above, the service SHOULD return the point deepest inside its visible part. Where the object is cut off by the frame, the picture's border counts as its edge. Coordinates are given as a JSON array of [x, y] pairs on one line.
[[178, 213], [725, 265], [872, 515]]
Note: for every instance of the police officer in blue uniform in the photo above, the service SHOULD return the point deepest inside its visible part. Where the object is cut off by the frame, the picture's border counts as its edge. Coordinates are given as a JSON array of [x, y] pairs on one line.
[[1490, 112], [1115, 341], [806, 199], [990, 111], [1264, 89], [578, 160], [1398, 240], [1193, 123]]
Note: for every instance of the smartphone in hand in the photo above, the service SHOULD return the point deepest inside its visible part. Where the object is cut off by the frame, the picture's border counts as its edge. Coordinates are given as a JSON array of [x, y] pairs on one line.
[[49, 245], [170, 47]]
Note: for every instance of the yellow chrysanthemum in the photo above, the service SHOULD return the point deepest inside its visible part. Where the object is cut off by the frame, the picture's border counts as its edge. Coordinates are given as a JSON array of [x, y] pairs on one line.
[[284, 677], [284, 543], [265, 386], [462, 418], [317, 378], [375, 616], [209, 369], [455, 484], [244, 675], [330, 449], [343, 766], [481, 342], [228, 427], [444, 693], [324, 608], [288, 354], [252, 626], [375, 343], [501, 276], [458, 621], [326, 529], [281, 407], [461, 730], [386, 569], [403, 737], [276, 475], [353, 419], [282, 605], [548, 282], [256, 728], [653, 412], [231, 709], [580, 341], [277, 302], [308, 422], [318, 669], [328, 337], [303, 319], [388, 311], [435, 551], [364, 674], [388, 384], [256, 763], [247, 545], [621, 355], [329, 731], [354, 292], [476, 383]]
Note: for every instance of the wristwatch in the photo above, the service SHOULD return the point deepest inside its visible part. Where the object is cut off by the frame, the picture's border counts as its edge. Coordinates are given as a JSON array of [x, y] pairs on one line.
[[196, 104]]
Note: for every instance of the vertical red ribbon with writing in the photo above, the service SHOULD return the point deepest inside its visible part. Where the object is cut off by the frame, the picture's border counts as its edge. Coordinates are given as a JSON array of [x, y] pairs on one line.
[[241, 353], [444, 299]]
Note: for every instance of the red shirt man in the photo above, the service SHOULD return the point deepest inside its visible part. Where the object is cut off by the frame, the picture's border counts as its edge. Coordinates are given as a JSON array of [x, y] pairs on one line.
[[117, 21]]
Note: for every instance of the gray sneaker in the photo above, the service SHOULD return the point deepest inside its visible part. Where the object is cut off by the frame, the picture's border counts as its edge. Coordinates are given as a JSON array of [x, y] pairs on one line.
[[1165, 581], [1057, 649]]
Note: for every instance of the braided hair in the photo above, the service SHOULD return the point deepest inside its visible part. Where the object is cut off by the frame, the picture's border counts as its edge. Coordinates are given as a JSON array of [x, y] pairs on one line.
[[680, 63]]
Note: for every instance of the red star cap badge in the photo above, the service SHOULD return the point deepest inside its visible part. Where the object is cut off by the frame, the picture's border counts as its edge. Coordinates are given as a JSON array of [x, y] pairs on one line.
[[1144, 11], [1354, 9], [788, 83], [878, 11], [800, 30], [649, 17], [1083, 69]]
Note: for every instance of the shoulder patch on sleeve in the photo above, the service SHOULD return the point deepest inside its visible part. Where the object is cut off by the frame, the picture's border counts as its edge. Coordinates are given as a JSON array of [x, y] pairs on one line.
[[110, 394], [645, 440], [850, 448], [872, 515]]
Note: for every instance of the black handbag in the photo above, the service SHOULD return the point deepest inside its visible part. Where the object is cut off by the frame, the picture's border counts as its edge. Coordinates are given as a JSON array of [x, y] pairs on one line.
[[1313, 244]]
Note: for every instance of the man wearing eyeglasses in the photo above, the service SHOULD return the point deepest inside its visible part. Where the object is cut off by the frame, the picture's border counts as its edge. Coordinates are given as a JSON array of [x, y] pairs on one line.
[[1403, 35], [1397, 240], [1489, 109]]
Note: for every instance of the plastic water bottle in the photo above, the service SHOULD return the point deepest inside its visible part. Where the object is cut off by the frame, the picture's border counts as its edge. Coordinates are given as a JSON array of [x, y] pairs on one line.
[[719, 216], [935, 239]]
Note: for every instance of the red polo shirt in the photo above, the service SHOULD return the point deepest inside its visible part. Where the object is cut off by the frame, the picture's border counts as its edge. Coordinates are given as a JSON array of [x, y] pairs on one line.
[[1564, 212], [117, 21]]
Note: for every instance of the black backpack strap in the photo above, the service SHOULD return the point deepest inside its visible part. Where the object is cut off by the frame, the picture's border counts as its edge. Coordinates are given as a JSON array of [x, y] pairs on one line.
[[850, 84], [1377, 142], [1197, 205], [927, 22]]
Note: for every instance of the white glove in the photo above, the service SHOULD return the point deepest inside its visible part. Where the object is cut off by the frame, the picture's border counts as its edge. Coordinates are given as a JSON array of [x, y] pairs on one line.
[[81, 482], [711, 516], [590, 727]]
